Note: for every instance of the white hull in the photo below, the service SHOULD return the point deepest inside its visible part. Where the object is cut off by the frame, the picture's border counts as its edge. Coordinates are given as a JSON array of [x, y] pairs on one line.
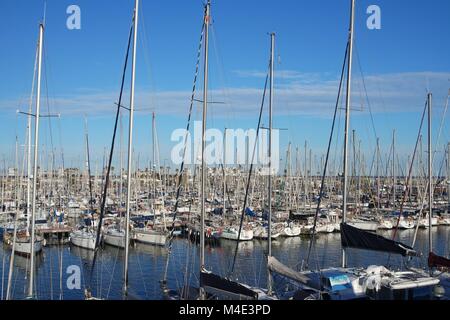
[[262, 233], [232, 234], [150, 237], [24, 247], [406, 224], [291, 231], [385, 225], [83, 239], [325, 228], [424, 223], [115, 238], [364, 225]]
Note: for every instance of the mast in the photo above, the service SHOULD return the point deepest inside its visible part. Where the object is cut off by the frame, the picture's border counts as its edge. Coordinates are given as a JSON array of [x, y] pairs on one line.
[[347, 120], [29, 143], [224, 173], [17, 196], [305, 180], [121, 164], [448, 177], [393, 170], [203, 176], [154, 166], [269, 233], [130, 144], [430, 177], [35, 161], [88, 167]]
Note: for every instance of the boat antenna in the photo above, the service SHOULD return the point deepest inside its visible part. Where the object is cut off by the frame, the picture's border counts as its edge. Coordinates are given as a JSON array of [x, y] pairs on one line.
[[45, 13]]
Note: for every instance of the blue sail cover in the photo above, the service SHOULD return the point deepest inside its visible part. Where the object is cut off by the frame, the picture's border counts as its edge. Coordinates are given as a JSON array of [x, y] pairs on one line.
[[352, 237], [250, 213]]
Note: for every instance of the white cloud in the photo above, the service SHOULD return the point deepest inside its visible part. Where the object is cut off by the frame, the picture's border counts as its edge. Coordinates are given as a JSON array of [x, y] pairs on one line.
[[303, 94]]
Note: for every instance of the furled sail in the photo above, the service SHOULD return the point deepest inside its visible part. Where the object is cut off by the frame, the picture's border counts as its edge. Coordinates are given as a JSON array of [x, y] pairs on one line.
[[276, 266], [356, 238], [226, 286], [435, 261]]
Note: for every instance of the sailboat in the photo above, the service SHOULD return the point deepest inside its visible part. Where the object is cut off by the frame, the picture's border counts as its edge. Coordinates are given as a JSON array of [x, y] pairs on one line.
[[374, 282], [26, 241], [116, 237], [85, 237], [213, 285], [156, 234]]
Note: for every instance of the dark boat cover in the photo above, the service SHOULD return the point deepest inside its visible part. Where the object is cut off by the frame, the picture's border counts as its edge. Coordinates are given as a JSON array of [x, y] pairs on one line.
[[356, 238], [215, 281], [435, 261]]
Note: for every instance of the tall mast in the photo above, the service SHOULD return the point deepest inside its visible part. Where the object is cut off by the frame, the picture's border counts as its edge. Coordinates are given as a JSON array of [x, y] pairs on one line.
[[224, 173], [347, 120], [430, 177], [130, 144], [11, 259], [121, 163], [88, 167], [393, 170], [203, 175], [305, 174], [29, 142], [269, 233], [154, 164], [35, 160], [448, 177]]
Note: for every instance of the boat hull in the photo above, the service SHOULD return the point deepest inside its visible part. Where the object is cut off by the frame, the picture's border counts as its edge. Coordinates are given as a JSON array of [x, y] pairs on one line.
[[246, 235], [150, 237], [83, 239], [115, 239]]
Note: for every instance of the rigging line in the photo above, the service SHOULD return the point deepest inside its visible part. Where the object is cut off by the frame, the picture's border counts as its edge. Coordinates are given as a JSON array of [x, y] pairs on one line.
[[143, 39], [406, 193], [319, 201], [180, 173], [250, 175], [89, 168], [105, 187], [222, 74], [47, 98], [365, 91], [441, 125]]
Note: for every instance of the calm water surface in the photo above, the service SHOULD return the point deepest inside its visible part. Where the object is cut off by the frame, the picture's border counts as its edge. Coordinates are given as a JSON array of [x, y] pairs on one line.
[[147, 264]]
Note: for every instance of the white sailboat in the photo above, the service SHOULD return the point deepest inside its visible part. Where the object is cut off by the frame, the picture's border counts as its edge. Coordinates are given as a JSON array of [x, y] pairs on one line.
[[22, 244], [83, 238], [346, 283], [406, 223], [114, 237], [232, 233], [291, 230], [364, 225], [425, 222]]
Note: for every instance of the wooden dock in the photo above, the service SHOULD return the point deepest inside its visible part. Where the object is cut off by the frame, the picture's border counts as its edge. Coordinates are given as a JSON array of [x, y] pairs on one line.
[[55, 235]]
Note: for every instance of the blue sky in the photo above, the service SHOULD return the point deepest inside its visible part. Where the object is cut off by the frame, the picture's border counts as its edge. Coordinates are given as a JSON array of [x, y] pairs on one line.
[[83, 68]]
